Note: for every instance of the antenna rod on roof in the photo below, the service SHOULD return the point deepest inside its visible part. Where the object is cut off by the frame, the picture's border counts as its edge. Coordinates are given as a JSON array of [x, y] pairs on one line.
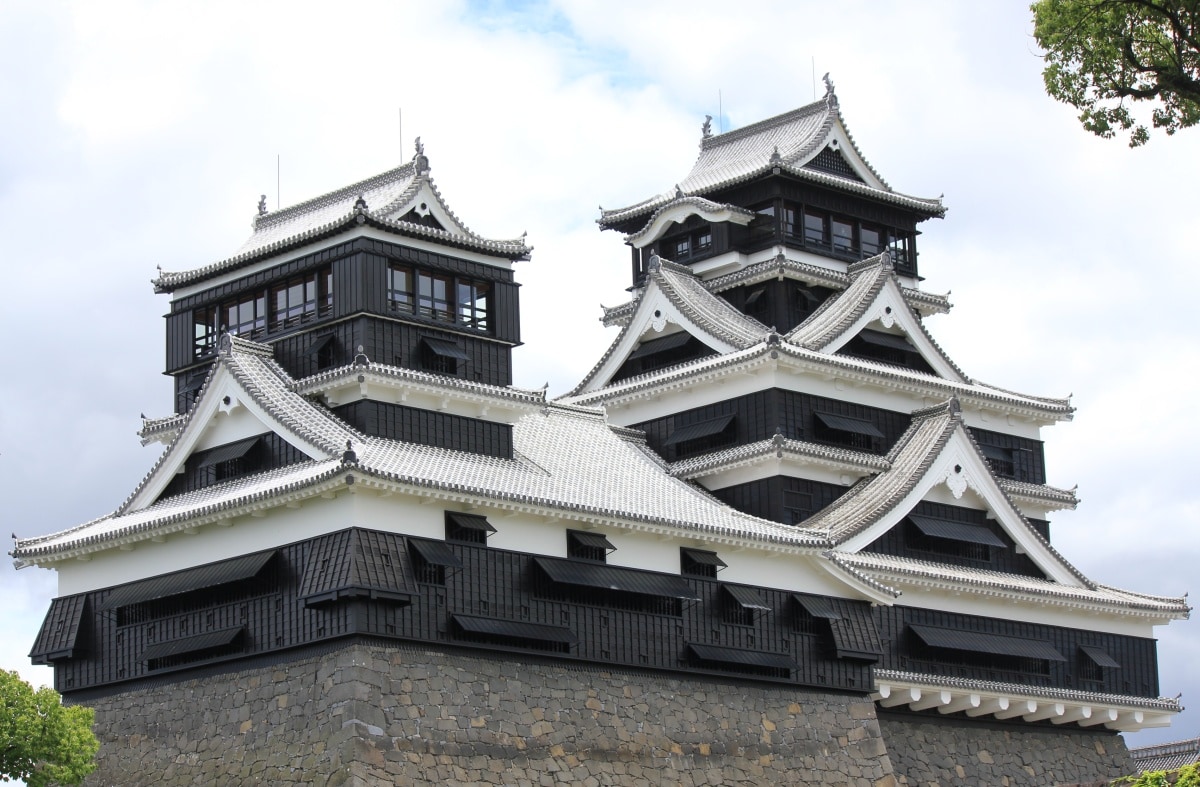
[[276, 181], [720, 111], [400, 130], [814, 64]]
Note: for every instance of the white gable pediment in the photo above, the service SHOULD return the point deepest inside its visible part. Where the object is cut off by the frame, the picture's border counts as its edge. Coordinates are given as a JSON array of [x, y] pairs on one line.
[[656, 317], [838, 142], [424, 201], [960, 475], [890, 313], [225, 413]]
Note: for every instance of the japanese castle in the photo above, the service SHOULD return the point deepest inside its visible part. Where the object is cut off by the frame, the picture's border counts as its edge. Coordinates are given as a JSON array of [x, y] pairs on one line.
[[774, 483]]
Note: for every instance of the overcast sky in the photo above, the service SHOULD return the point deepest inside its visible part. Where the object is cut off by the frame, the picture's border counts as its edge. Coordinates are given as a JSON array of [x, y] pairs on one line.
[[137, 135]]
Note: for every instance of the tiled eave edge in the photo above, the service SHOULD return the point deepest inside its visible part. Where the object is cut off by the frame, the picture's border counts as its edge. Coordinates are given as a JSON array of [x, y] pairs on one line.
[[926, 207], [169, 281], [926, 576], [334, 475], [219, 512], [779, 447], [161, 429], [989, 699], [651, 385], [1039, 493], [426, 382], [787, 539]]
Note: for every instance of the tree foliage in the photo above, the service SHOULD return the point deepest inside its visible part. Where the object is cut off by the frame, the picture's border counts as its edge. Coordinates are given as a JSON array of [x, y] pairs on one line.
[[1187, 776], [1104, 56], [42, 741]]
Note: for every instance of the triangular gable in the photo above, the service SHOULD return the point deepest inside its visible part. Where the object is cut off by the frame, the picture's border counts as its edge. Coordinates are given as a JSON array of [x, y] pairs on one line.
[[837, 148], [422, 201], [674, 297], [937, 449], [875, 299], [246, 394]]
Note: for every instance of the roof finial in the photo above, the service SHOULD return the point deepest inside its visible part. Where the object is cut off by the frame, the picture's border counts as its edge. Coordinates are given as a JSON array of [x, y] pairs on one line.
[[776, 159], [828, 84], [262, 205], [678, 191], [349, 457], [420, 159], [360, 204], [360, 357], [706, 129]]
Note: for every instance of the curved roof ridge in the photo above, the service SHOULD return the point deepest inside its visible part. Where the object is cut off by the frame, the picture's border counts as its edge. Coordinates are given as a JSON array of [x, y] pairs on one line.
[[714, 314], [911, 457], [779, 446], [837, 109], [837, 313], [778, 265], [272, 389], [700, 203], [383, 179], [608, 353]]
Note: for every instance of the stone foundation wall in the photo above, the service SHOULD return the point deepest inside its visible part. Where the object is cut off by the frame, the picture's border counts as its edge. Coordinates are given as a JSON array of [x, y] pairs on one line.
[[939, 753], [368, 715]]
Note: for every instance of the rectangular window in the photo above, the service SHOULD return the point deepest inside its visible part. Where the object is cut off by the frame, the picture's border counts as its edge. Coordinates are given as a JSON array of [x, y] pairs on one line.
[[433, 297], [843, 236], [898, 244], [205, 329], [474, 298], [247, 317], [816, 229], [702, 241], [400, 289], [870, 238], [298, 300]]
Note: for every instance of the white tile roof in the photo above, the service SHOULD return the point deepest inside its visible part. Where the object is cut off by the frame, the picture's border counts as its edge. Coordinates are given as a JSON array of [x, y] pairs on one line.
[[900, 570], [381, 201], [657, 382], [567, 459], [787, 141]]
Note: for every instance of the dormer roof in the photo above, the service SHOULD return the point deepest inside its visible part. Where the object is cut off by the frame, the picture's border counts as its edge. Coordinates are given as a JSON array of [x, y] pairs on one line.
[[789, 143], [937, 448], [874, 295], [403, 201]]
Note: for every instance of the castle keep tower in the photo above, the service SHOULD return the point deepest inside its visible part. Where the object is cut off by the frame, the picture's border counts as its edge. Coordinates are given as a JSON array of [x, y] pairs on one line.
[[775, 533]]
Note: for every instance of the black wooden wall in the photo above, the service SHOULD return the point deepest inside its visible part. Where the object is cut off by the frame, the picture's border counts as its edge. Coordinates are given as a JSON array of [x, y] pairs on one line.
[[358, 582]]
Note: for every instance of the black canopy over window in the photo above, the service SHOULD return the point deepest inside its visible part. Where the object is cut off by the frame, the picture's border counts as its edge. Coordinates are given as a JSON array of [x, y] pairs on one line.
[[844, 423], [978, 642], [185, 581], [956, 531], [696, 431], [626, 580]]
